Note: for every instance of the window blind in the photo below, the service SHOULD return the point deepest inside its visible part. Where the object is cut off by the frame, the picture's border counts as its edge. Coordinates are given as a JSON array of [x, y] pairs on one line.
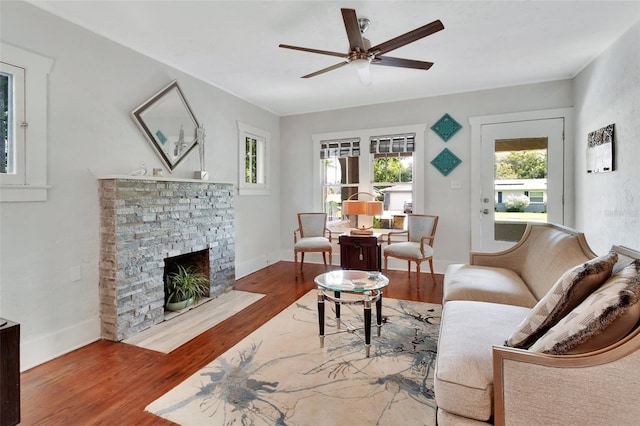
[[382, 146], [340, 148]]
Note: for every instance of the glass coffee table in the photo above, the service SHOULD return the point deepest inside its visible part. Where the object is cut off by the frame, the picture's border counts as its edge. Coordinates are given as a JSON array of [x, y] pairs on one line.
[[361, 287]]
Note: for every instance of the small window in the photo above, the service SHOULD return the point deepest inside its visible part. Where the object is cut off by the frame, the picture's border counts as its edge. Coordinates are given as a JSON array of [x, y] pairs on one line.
[[536, 196], [12, 141], [23, 110], [253, 167]]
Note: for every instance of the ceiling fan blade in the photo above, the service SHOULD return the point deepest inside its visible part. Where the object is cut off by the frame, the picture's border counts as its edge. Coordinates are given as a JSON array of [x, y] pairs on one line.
[[353, 29], [402, 63], [322, 71], [407, 38], [306, 49]]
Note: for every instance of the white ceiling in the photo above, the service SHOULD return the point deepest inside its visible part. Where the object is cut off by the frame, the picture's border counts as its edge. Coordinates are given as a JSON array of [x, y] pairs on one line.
[[234, 44]]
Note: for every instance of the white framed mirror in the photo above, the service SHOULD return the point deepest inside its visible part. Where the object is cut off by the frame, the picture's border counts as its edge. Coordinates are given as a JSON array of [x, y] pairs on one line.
[[168, 124]]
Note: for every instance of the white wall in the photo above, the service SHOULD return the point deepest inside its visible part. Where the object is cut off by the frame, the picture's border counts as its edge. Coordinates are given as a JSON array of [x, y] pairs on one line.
[[608, 91], [452, 205], [93, 87]]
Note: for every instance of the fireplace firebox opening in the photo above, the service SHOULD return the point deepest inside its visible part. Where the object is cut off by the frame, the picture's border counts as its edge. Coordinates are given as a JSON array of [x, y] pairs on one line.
[[198, 260]]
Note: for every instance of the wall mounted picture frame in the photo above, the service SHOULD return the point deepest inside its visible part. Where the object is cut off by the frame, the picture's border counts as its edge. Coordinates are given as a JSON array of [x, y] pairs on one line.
[[446, 161], [446, 127], [600, 150], [168, 123]]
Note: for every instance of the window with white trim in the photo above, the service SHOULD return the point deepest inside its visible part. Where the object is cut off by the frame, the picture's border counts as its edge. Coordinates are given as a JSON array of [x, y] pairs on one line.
[[12, 109], [340, 173], [253, 155], [350, 174], [536, 196], [23, 97], [392, 174]]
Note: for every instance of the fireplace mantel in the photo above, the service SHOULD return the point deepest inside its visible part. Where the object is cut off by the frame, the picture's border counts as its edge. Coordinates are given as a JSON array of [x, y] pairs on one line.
[[146, 219], [158, 179]]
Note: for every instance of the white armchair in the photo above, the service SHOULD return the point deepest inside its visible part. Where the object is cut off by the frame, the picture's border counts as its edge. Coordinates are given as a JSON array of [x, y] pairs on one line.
[[311, 236], [421, 233]]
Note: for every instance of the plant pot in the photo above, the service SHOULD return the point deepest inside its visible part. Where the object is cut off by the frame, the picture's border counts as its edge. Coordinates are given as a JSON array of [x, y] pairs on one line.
[[177, 306]]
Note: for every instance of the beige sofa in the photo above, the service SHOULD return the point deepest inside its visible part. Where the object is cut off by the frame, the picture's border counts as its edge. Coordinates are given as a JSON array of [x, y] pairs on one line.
[[479, 380]]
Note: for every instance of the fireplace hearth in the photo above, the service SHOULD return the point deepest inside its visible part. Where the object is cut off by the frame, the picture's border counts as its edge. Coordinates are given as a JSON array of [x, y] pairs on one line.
[[146, 223]]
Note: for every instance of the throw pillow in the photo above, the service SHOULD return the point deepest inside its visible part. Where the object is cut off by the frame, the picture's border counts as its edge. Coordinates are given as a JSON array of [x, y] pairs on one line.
[[567, 293], [599, 311]]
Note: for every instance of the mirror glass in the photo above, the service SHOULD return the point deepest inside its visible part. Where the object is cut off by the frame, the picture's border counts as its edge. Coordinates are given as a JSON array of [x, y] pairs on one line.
[[169, 124]]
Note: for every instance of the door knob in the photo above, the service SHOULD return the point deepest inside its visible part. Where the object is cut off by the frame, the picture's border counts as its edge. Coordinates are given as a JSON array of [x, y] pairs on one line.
[[484, 211]]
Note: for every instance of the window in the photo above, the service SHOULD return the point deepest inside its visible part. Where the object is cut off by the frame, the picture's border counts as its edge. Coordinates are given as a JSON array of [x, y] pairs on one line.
[[11, 81], [536, 196], [253, 150], [340, 173], [254, 155], [392, 165], [23, 98], [346, 162]]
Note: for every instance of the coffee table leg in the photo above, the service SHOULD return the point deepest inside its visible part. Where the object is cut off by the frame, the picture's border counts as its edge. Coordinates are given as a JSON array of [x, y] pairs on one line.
[[379, 313], [367, 322], [321, 317], [337, 295]]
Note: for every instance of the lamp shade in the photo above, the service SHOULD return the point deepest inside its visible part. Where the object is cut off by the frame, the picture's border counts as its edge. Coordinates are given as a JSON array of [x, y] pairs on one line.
[[374, 208], [354, 207]]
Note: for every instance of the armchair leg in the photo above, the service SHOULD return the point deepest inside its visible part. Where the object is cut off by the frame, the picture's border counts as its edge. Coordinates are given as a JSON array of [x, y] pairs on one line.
[[324, 259], [409, 267], [386, 259], [418, 270], [433, 275], [295, 263]]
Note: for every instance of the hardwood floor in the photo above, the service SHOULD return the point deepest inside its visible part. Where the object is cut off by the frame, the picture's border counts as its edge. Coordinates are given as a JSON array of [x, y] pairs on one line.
[[111, 383]]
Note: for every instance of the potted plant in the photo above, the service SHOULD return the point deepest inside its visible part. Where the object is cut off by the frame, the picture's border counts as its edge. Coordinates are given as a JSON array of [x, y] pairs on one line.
[[185, 287]]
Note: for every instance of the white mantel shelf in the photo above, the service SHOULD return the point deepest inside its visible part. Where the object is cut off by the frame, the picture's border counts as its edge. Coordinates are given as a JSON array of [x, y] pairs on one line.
[[158, 179]]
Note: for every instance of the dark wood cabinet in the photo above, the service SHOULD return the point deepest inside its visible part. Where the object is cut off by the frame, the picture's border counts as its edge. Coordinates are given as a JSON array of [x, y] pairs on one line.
[[361, 252], [9, 373]]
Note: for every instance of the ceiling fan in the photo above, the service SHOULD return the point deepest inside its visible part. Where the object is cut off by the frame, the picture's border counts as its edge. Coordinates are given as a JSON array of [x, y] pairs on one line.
[[361, 54]]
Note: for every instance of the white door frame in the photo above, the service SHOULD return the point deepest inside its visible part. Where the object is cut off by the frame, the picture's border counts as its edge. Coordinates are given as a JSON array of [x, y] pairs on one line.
[[475, 183]]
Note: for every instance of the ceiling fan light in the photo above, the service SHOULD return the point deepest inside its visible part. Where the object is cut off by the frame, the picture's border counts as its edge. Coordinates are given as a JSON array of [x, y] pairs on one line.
[[362, 67]]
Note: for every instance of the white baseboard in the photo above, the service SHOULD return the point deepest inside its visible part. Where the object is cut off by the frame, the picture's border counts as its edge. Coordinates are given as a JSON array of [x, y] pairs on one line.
[[40, 350], [249, 267]]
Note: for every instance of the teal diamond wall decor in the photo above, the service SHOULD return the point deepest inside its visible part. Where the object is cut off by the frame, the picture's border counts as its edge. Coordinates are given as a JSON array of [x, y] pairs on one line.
[[446, 127], [446, 161]]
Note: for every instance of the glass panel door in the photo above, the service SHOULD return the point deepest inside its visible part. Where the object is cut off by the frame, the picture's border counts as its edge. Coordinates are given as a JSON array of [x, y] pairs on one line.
[[522, 178]]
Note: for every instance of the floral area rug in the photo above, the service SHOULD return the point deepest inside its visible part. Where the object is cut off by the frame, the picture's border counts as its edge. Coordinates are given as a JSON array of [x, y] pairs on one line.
[[279, 374]]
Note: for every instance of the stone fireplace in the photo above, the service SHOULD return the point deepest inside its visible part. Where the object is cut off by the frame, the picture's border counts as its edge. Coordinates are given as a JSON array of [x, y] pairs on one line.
[[147, 222]]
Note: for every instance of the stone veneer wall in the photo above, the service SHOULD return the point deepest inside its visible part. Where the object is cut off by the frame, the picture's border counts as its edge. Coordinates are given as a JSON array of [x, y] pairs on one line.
[[144, 221]]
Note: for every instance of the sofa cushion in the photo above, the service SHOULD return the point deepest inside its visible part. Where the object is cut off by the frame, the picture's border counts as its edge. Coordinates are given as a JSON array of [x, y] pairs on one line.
[[444, 418], [486, 284], [608, 308], [463, 381], [567, 293]]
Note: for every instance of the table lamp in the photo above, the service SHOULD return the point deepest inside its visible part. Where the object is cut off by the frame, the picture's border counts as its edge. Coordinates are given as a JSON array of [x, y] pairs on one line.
[[354, 206]]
